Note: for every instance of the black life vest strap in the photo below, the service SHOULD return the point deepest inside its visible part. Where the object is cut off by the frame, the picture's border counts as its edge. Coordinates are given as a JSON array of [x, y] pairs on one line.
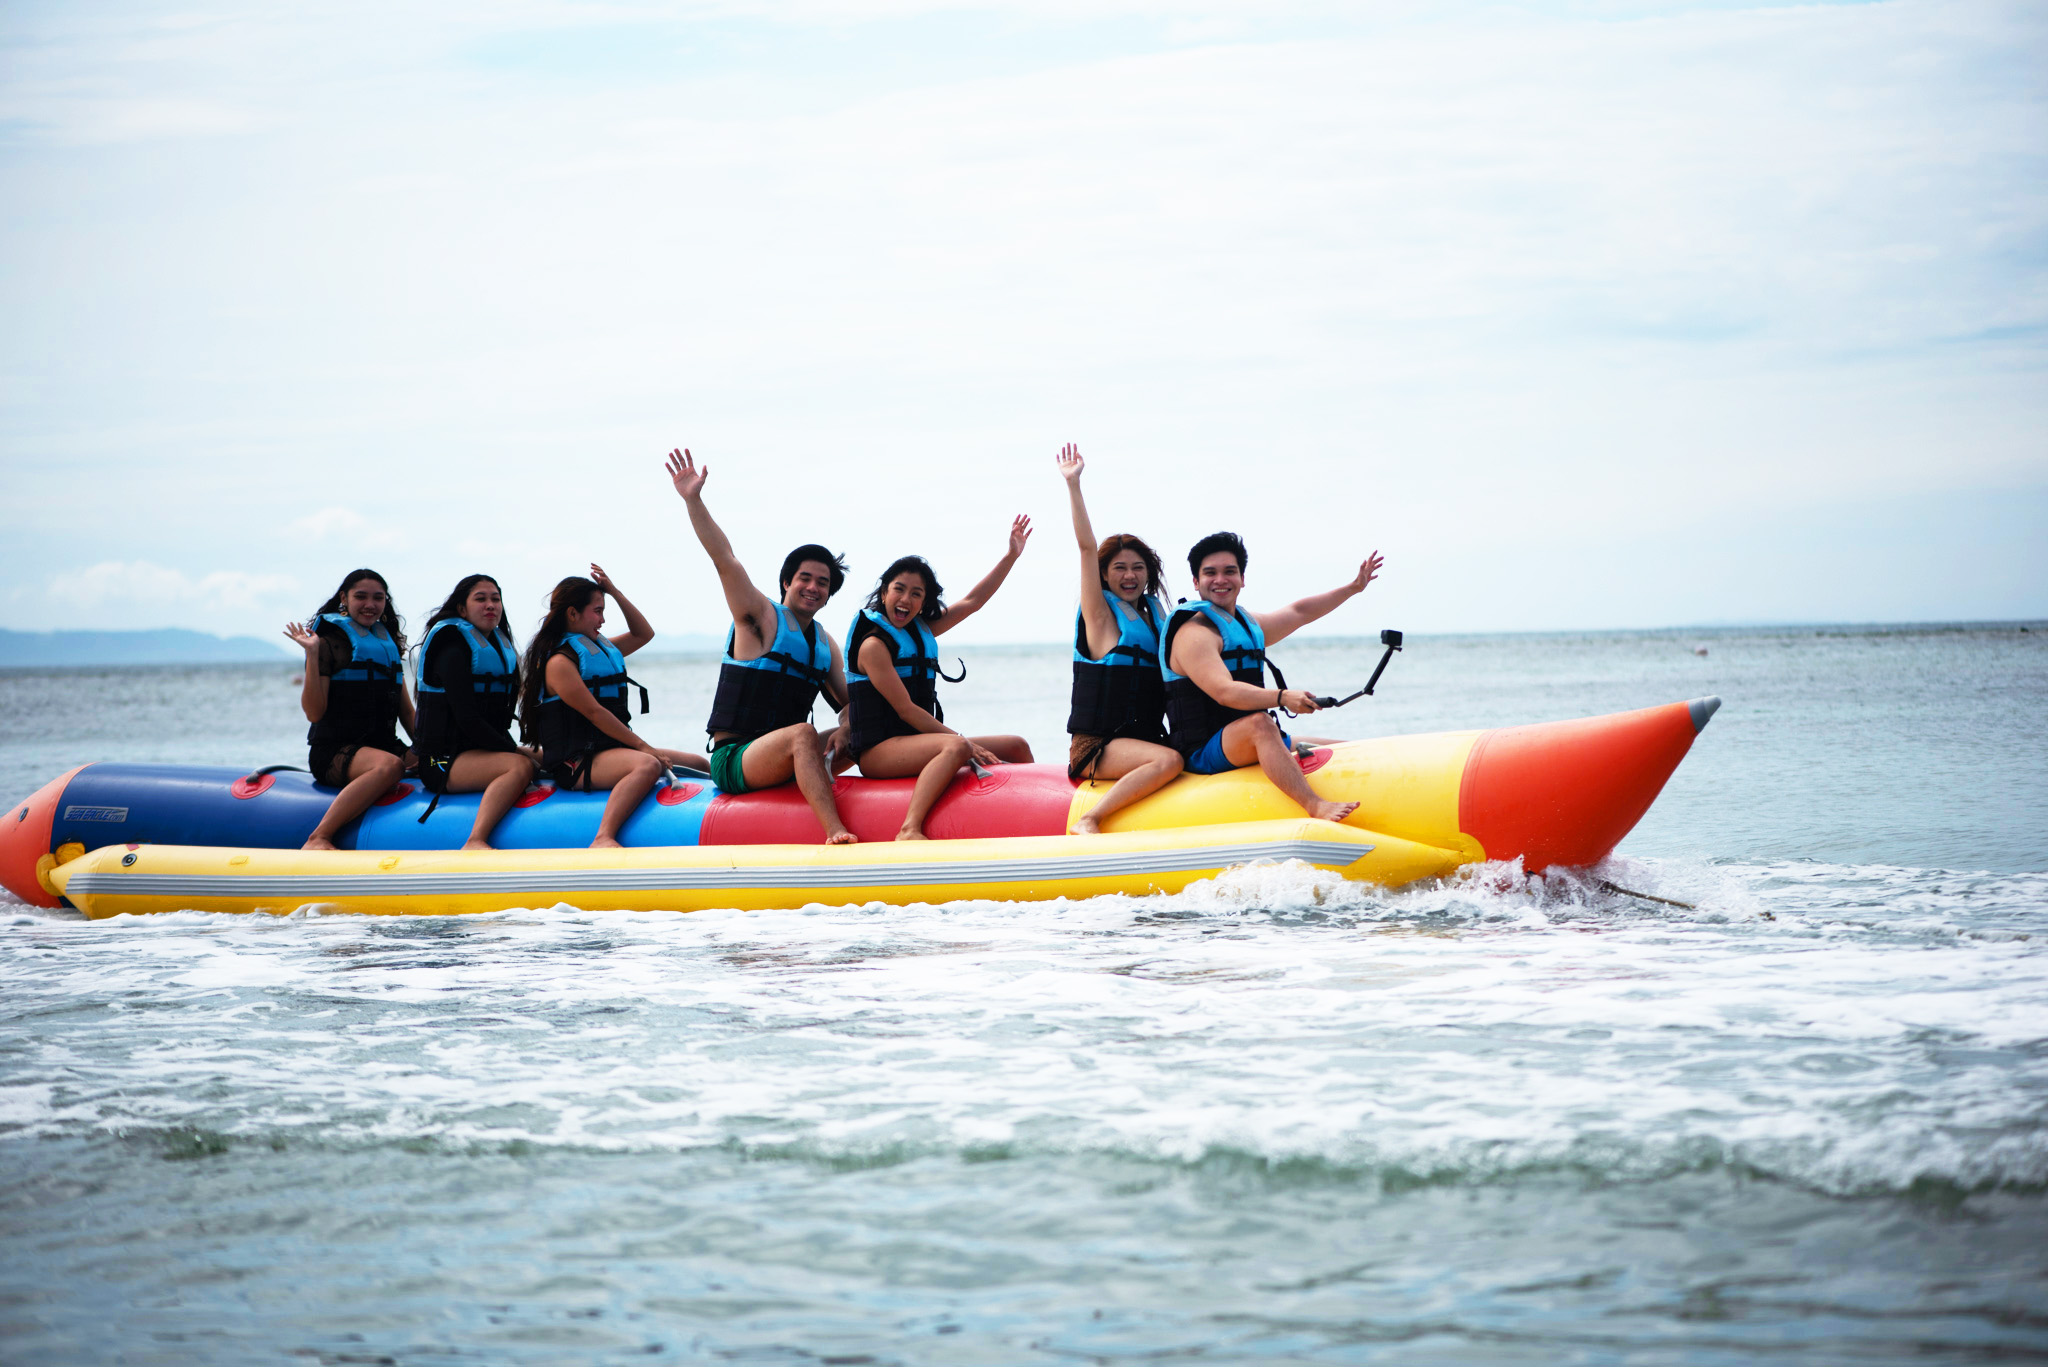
[[625, 679], [797, 669]]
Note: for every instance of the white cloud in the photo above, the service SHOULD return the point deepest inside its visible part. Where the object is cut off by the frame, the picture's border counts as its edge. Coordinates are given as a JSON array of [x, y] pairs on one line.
[[1411, 286], [343, 524], [140, 593]]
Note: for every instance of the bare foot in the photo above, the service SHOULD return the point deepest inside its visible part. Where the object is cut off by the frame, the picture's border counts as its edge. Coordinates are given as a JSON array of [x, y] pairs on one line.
[[1087, 826], [317, 842], [475, 844], [606, 842], [912, 835], [842, 838], [1332, 811]]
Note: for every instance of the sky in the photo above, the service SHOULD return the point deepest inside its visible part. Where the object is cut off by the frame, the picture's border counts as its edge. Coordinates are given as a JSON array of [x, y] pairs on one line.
[[1584, 315]]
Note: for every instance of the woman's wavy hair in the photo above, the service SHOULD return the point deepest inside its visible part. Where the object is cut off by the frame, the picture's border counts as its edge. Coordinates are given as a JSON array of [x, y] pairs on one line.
[[573, 592], [1155, 574], [393, 624], [934, 593]]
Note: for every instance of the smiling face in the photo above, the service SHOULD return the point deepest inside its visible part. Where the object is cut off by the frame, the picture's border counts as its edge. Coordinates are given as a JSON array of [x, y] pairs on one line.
[[364, 602], [485, 607], [1127, 575], [1218, 578], [808, 588], [903, 598], [587, 620]]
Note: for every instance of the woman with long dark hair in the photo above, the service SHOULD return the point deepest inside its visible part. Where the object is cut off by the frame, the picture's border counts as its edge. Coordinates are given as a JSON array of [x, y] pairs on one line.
[[468, 680], [573, 701], [1118, 714], [354, 696], [895, 725]]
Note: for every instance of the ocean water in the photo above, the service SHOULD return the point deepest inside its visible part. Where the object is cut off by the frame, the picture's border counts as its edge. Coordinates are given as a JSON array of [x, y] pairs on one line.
[[1276, 1118]]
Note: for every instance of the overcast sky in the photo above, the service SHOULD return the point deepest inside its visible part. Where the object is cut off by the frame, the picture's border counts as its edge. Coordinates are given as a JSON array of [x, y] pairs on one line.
[[1585, 315]]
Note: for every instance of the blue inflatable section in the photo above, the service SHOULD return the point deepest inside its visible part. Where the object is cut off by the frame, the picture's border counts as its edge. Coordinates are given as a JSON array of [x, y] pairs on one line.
[[178, 804], [166, 804], [561, 821]]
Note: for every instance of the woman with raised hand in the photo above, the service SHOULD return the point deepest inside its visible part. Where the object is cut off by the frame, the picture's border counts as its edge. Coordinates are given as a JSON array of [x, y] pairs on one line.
[[1118, 714], [354, 696], [895, 725], [573, 701], [468, 679]]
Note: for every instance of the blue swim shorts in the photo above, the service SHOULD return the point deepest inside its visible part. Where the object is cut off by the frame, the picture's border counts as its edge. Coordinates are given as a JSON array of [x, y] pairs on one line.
[[1210, 759]]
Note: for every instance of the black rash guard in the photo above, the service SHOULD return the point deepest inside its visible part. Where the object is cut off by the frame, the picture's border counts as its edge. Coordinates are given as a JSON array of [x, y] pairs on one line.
[[474, 728]]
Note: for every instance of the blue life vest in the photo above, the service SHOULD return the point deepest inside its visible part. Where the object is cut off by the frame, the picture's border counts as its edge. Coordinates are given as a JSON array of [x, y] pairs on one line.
[[869, 715], [362, 695], [493, 668], [1192, 716], [775, 690], [566, 735], [1121, 694]]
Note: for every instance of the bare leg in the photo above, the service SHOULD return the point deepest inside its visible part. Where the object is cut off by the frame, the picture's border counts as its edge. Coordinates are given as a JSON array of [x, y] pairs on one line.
[[1139, 768], [1008, 749], [631, 775], [797, 752], [934, 758], [1256, 740], [371, 774], [501, 775], [683, 758]]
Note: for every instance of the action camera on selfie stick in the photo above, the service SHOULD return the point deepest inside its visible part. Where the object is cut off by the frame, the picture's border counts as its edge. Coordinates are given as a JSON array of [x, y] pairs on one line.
[[1389, 638]]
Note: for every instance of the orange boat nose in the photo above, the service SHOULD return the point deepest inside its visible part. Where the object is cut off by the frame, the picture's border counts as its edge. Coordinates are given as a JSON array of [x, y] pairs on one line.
[[1566, 792], [25, 839]]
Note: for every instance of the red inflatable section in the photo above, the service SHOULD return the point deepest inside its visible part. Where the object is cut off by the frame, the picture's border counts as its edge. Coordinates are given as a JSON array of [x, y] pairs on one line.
[[1015, 799], [25, 838], [1566, 792]]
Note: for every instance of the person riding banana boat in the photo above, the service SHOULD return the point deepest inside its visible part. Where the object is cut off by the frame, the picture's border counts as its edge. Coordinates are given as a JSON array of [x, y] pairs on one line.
[[1117, 718], [468, 683], [1214, 665], [353, 694], [574, 702], [895, 726], [777, 661]]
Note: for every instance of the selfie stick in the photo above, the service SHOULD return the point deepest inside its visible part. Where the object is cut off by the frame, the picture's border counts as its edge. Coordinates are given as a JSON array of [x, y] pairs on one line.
[[1389, 638]]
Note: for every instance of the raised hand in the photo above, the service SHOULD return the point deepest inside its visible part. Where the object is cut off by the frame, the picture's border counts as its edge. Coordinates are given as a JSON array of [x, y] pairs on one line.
[[686, 474], [1070, 462], [308, 641], [1020, 532], [1367, 572], [601, 579]]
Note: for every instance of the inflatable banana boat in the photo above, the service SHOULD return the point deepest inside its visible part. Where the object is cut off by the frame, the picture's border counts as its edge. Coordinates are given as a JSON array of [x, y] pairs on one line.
[[110, 839]]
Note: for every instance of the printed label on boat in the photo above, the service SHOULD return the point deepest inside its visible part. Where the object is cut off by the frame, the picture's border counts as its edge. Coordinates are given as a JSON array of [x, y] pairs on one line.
[[95, 813]]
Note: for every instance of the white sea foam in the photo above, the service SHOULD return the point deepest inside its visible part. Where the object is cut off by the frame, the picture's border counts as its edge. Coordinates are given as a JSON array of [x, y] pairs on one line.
[[1478, 1026]]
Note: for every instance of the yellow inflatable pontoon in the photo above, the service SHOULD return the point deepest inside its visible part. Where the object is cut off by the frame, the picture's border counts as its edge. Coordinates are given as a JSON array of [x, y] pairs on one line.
[[1561, 793]]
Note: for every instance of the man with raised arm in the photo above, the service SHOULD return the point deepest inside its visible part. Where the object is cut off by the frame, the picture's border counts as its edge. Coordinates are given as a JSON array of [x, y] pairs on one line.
[[776, 663], [1214, 660]]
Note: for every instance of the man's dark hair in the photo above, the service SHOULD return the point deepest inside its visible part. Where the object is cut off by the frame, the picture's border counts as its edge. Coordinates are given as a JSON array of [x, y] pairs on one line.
[[795, 559], [1212, 543]]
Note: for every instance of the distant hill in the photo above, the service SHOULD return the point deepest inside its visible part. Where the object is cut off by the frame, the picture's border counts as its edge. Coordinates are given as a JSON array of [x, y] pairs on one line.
[[170, 646]]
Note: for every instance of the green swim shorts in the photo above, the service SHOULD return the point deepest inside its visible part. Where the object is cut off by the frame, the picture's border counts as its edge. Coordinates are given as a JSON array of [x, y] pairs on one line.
[[725, 766]]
